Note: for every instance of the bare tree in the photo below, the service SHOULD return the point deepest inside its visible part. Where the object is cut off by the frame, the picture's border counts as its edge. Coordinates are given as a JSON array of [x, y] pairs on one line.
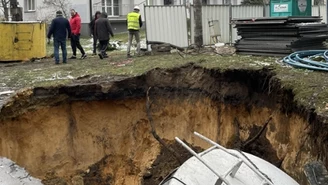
[[62, 5], [5, 8], [45, 15]]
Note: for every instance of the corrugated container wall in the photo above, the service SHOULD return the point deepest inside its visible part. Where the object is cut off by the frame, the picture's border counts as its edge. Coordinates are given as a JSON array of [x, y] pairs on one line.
[[167, 24], [22, 41]]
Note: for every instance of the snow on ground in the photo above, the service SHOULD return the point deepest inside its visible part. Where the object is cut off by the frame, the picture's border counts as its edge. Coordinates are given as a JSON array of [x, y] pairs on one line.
[[118, 44], [12, 174], [87, 45]]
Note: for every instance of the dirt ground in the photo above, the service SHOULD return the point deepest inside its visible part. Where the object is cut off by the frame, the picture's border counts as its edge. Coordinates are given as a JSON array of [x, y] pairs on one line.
[[93, 128], [165, 163], [96, 173]]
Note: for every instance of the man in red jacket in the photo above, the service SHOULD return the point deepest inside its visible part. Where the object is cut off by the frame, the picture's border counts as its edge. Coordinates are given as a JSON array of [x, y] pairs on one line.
[[75, 23]]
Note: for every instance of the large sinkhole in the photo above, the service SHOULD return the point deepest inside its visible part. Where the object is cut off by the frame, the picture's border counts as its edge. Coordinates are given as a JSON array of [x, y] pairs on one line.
[[97, 130]]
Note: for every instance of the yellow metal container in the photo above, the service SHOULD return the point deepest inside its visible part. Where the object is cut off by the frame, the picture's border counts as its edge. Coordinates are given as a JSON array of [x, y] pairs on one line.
[[22, 40]]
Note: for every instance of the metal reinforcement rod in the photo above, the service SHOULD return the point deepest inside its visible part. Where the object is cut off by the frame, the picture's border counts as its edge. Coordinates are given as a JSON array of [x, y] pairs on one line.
[[235, 155], [201, 160]]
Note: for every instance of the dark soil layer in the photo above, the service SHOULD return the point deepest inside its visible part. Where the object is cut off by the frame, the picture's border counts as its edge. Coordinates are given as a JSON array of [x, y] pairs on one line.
[[166, 162]]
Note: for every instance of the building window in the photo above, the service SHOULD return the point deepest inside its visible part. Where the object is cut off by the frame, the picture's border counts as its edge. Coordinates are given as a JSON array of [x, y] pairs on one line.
[[30, 5], [111, 7], [168, 2], [204, 2]]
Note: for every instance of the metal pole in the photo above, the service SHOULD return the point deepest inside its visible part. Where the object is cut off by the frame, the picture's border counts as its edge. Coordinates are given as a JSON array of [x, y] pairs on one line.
[[264, 8], [198, 23], [9, 14], [187, 11], [145, 15], [326, 12], [230, 25], [90, 9], [201, 160], [235, 155]]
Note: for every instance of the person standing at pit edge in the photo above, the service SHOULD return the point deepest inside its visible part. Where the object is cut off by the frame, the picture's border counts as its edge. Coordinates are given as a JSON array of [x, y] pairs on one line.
[[134, 24], [92, 30], [75, 23], [60, 29], [103, 29]]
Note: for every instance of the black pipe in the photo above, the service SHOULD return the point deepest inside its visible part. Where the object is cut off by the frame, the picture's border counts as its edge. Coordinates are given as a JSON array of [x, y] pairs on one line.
[[90, 6]]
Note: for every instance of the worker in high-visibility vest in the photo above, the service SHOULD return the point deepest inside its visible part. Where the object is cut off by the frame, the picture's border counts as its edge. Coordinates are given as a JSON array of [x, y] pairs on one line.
[[134, 24]]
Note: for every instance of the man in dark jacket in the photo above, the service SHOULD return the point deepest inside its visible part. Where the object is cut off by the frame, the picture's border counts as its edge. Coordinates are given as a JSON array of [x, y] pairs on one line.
[[134, 24], [75, 23], [92, 30], [103, 30], [60, 29]]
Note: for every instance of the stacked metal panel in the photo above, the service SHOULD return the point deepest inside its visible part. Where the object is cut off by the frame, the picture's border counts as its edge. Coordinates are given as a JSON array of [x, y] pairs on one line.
[[279, 35]]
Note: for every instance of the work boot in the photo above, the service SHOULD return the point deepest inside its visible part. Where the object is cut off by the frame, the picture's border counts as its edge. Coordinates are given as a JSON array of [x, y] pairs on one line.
[[73, 57], [101, 56], [84, 56]]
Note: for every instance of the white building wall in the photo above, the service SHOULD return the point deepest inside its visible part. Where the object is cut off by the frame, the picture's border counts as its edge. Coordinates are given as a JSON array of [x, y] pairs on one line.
[[127, 6], [42, 12], [30, 15], [181, 2], [82, 7]]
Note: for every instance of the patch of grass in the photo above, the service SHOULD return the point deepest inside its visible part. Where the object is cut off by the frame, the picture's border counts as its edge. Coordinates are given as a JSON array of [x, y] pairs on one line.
[[45, 72], [310, 87]]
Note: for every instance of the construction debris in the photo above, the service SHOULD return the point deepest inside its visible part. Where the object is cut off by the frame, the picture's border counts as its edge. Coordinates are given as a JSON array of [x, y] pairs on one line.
[[279, 36], [162, 48], [11, 174], [316, 173], [6, 92]]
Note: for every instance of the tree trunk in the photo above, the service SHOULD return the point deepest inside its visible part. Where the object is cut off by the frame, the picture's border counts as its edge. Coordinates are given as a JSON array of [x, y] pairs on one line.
[[198, 23], [6, 13], [4, 4]]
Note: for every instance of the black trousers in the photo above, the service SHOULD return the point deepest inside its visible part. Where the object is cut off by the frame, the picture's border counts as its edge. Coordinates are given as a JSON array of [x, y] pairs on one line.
[[75, 43], [103, 46], [94, 44]]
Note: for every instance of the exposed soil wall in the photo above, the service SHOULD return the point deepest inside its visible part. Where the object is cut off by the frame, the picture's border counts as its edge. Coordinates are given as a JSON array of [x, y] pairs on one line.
[[99, 133]]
